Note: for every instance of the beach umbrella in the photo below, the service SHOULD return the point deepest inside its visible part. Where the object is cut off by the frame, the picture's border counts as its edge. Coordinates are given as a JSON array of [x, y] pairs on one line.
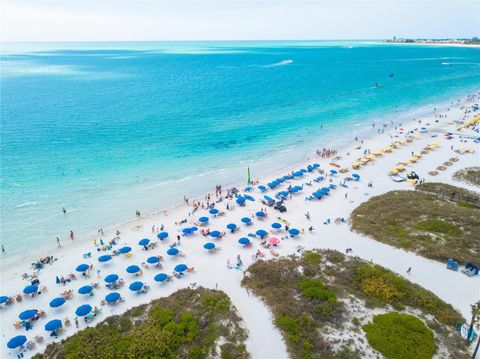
[[162, 235], [333, 172], [356, 176], [133, 269], [293, 232], [144, 242], [3, 299], [240, 200], [244, 241], [82, 268], [274, 240], [246, 220], [187, 231], [112, 297], [180, 268], [303, 170], [215, 234], [269, 199], [104, 258], [173, 251], [276, 225], [260, 214], [125, 250], [160, 277], [213, 211], [248, 189], [261, 233], [231, 226], [194, 229], [29, 289], [83, 310], [27, 314], [153, 260], [53, 325], [135, 286], [262, 188], [209, 246], [85, 289], [249, 198], [316, 165], [111, 278], [17, 341], [203, 219], [57, 302]]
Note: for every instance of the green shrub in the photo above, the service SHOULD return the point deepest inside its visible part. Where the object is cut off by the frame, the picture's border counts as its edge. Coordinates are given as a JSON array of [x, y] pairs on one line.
[[400, 336], [437, 226]]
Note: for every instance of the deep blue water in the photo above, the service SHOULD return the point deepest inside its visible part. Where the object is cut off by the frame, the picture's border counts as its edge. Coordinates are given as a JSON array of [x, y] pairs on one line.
[[107, 128]]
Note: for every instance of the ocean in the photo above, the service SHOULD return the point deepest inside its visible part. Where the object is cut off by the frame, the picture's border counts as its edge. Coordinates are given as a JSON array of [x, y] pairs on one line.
[[105, 129]]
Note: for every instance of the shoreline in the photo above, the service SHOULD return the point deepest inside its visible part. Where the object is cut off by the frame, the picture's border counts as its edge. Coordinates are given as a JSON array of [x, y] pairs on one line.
[[210, 271], [446, 44], [365, 132]]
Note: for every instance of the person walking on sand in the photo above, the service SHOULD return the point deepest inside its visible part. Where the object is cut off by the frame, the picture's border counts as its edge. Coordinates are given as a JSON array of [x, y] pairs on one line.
[[409, 270], [72, 235], [58, 243], [76, 322]]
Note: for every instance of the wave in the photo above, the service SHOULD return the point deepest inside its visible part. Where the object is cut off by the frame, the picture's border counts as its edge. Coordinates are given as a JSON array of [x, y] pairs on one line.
[[281, 63], [26, 204]]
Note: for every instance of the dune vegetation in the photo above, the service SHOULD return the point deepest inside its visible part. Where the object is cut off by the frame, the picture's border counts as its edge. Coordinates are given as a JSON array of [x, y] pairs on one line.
[[321, 300], [190, 324], [428, 224], [470, 175]]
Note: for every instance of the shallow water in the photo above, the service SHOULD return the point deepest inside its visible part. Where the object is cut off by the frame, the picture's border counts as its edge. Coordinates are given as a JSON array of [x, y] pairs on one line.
[[105, 129]]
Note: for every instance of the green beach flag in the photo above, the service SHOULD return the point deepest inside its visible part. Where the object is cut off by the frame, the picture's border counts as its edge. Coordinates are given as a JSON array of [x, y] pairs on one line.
[[248, 175]]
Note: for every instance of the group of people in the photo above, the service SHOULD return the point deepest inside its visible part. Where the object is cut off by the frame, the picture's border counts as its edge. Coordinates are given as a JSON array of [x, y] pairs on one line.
[[326, 152]]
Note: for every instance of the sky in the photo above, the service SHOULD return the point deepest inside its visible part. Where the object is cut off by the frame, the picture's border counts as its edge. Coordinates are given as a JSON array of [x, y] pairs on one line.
[[172, 20]]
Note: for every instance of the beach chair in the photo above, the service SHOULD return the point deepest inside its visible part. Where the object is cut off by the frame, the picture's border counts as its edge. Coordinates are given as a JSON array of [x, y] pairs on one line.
[[450, 263], [455, 266]]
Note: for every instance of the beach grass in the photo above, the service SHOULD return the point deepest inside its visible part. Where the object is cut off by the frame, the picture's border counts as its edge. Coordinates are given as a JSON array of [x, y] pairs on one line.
[[470, 175], [400, 336], [423, 222], [311, 297], [189, 323]]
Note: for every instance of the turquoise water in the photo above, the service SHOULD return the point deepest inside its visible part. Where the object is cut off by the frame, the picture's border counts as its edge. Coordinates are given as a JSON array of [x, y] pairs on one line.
[[105, 129]]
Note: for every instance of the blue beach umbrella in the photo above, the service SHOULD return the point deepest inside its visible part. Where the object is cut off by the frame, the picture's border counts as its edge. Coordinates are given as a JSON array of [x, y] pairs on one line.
[[187, 231], [180, 268], [29, 289], [82, 267], [162, 235], [246, 220], [83, 310], [112, 297], [209, 246], [85, 289], [260, 214], [53, 325], [293, 232], [215, 234], [17, 341], [3, 299], [104, 258], [213, 211], [194, 229], [240, 200], [27, 314], [125, 250], [262, 188], [333, 172], [135, 286], [133, 269], [268, 198], [57, 302], [173, 251], [276, 225], [111, 278], [261, 233], [249, 198], [160, 277], [203, 219], [144, 242], [153, 260], [231, 226], [244, 241], [356, 176]]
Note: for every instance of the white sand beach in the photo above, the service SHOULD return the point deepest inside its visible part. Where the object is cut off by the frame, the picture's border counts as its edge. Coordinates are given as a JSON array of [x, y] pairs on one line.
[[210, 268]]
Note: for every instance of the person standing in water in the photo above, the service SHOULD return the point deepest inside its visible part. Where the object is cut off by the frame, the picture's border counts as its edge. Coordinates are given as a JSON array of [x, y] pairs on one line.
[[72, 235], [58, 243], [64, 210]]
